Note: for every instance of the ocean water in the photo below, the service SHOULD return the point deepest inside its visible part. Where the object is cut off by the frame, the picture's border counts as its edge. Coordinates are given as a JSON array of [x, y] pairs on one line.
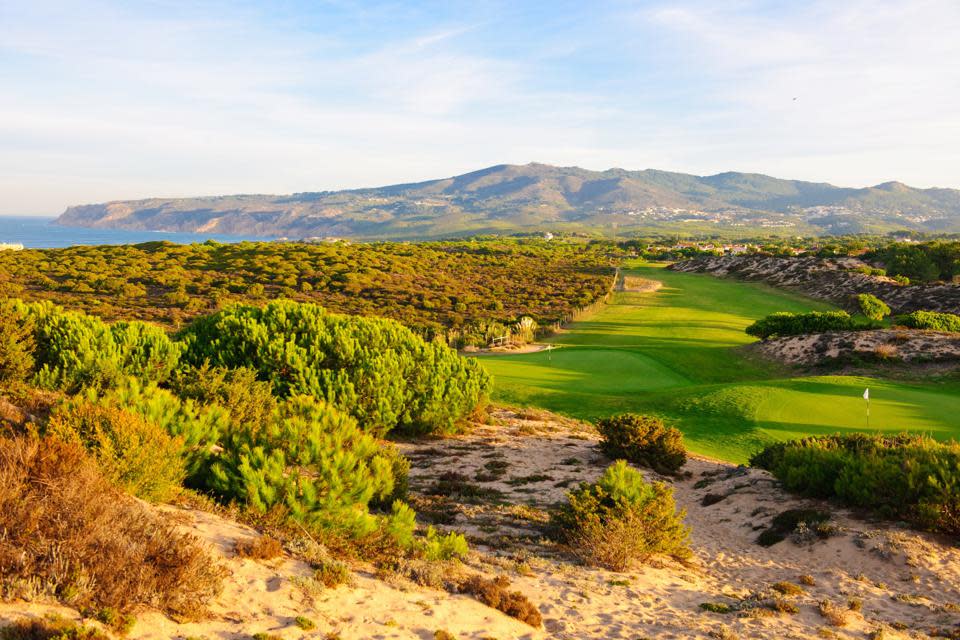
[[39, 233]]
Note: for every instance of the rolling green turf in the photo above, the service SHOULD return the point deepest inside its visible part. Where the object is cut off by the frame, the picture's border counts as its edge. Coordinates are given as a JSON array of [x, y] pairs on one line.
[[673, 352]]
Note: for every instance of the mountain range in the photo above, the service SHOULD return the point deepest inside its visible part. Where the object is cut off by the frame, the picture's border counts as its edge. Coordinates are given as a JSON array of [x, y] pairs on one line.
[[540, 197]]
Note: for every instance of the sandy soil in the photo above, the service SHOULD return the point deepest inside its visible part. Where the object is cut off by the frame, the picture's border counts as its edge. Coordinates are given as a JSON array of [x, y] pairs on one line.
[[508, 350], [526, 461], [891, 346], [635, 284]]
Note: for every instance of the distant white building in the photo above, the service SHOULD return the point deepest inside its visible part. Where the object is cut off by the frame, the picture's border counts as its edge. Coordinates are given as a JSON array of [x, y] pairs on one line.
[[11, 246]]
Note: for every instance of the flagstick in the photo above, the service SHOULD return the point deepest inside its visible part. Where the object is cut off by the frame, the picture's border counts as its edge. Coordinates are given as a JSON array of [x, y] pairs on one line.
[[868, 414]]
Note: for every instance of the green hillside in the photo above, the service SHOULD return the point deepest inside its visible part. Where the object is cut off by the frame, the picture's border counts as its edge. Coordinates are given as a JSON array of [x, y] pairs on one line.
[[541, 197], [673, 352]]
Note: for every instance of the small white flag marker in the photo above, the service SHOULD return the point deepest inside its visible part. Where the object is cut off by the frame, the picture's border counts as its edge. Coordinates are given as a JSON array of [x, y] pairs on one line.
[[866, 396]]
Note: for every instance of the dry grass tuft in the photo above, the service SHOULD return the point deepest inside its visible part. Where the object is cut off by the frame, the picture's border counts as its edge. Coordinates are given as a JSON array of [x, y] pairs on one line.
[[835, 615], [68, 533], [51, 629], [262, 548], [885, 351], [494, 593], [788, 588]]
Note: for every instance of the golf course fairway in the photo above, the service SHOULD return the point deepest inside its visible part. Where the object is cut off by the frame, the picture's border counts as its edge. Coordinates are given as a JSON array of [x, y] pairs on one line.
[[673, 352]]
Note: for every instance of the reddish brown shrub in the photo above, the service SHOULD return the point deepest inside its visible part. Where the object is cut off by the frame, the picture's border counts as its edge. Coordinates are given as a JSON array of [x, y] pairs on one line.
[[262, 548], [67, 532], [495, 593]]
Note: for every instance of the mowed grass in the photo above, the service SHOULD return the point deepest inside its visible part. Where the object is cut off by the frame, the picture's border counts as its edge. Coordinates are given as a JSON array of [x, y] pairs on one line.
[[674, 352]]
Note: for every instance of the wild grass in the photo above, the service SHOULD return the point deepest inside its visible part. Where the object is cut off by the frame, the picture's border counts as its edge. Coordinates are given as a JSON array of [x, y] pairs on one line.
[[69, 534]]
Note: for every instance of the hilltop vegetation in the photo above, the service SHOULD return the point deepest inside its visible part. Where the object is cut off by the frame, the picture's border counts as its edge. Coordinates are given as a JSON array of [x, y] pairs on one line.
[[462, 292], [508, 198]]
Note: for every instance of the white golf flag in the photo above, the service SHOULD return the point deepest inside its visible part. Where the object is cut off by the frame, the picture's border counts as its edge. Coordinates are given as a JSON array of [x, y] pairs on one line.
[[866, 394]]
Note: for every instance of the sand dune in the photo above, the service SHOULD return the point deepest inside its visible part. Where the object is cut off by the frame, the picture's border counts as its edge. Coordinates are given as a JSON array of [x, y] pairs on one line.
[[898, 579]]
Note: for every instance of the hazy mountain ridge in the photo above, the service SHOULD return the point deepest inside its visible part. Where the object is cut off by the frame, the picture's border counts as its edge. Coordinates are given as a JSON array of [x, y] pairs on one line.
[[540, 197]]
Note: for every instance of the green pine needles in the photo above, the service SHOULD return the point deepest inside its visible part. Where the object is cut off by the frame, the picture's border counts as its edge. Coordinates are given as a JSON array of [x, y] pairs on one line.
[[74, 351], [310, 458], [377, 370]]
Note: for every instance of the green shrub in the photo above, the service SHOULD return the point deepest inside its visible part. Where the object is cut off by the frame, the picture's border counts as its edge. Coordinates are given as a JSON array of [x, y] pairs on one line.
[[246, 399], [137, 454], [870, 271], [930, 320], [74, 350], [444, 547], [16, 346], [908, 477], [375, 369], [643, 440], [872, 307], [310, 458], [199, 427], [784, 323], [304, 623], [400, 469], [716, 607], [621, 519]]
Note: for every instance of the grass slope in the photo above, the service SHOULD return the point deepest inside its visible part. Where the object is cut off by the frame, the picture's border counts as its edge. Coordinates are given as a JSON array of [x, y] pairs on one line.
[[672, 352]]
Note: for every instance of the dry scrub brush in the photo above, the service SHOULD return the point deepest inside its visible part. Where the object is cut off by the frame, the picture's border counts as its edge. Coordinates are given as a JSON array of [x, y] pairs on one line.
[[621, 519], [67, 533], [496, 594], [138, 455]]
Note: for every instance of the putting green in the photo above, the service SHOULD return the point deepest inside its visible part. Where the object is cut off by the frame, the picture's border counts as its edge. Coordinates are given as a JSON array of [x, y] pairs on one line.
[[673, 352]]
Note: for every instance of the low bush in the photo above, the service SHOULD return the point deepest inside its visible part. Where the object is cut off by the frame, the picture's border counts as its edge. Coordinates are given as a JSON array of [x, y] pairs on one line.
[[906, 477], [312, 460], [50, 629], [75, 350], [16, 346], [136, 454], [305, 623], [790, 324], [643, 440], [872, 307], [58, 511], [259, 548], [930, 320], [375, 369], [621, 519], [836, 615], [197, 425], [496, 594], [331, 573]]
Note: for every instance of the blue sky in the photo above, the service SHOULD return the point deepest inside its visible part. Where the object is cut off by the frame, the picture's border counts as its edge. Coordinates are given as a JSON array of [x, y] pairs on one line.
[[106, 99]]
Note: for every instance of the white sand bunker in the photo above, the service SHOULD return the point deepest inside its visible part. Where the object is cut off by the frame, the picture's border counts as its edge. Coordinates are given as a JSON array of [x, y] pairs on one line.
[[634, 284]]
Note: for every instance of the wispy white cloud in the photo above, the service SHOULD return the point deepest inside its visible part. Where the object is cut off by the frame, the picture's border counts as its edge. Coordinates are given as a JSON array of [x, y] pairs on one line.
[[103, 99]]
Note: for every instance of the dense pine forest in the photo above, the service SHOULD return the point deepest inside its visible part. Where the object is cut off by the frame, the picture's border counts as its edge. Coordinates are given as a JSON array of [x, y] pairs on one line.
[[459, 291]]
